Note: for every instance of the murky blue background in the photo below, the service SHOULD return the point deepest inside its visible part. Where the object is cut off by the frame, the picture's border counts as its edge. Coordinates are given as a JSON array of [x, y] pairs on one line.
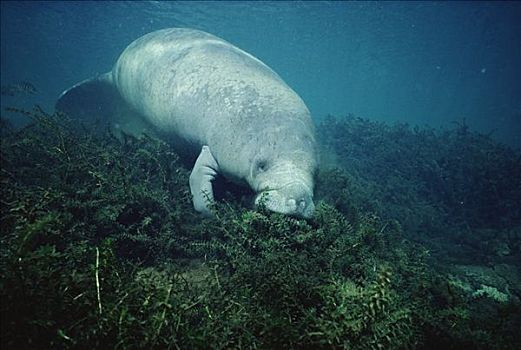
[[420, 62]]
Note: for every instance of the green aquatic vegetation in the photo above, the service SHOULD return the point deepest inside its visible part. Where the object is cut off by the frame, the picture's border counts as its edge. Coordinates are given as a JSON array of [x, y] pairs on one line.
[[491, 292], [365, 317], [441, 185], [465, 173], [100, 248]]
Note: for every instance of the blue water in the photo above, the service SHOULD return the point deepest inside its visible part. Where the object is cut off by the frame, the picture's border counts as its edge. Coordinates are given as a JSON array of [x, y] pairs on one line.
[[427, 63]]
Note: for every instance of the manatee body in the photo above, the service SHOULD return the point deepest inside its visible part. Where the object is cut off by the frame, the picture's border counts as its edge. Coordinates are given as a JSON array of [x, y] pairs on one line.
[[211, 99]]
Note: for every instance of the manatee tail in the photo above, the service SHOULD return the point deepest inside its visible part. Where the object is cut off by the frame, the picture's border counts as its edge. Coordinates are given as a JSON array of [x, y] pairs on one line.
[[91, 99], [98, 99]]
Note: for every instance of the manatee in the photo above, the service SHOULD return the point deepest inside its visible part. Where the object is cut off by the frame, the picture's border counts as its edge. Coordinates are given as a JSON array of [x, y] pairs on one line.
[[219, 105]]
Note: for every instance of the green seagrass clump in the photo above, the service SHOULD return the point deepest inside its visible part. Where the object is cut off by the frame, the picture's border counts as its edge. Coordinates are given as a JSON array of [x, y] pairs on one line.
[[100, 248]]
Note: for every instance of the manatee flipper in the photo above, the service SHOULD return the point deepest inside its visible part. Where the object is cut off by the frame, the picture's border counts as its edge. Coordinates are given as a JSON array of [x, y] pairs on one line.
[[204, 172]]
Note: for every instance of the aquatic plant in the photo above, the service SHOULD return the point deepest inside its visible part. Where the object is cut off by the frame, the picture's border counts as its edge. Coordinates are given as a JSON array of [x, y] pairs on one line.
[[100, 248], [365, 317], [491, 292], [442, 186]]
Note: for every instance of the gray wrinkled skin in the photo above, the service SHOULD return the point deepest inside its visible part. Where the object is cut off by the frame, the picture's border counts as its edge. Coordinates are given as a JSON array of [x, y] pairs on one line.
[[201, 90]]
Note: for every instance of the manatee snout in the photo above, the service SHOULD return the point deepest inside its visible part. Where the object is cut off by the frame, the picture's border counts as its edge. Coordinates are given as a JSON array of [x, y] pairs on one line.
[[295, 199]]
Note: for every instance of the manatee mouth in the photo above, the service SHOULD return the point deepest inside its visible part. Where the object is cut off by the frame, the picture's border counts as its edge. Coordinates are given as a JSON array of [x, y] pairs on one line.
[[295, 200]]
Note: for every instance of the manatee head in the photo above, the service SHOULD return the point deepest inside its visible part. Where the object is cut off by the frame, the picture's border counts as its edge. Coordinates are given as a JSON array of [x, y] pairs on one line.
[[283, 168], [289, 194]]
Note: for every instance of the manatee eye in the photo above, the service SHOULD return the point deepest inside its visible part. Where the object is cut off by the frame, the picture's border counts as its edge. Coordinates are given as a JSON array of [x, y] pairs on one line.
[[261, 166]]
